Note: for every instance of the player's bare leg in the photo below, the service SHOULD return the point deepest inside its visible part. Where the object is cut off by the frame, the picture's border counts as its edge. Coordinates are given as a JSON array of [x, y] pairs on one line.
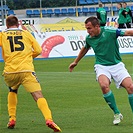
[[109, 98]]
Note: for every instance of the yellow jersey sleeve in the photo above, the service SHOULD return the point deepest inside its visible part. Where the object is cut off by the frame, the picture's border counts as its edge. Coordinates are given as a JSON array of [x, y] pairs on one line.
[[36, 49], [0, 39], [18, 49]]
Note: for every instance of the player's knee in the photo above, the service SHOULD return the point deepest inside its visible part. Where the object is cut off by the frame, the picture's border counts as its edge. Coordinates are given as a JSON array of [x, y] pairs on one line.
[[11, 90], [129, 88], [104, 87], [36, 95]]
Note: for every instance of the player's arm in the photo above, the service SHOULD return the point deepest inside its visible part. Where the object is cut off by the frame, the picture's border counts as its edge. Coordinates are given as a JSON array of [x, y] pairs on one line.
[[82, 52], [130, 13], [128, 33], [124, 13], [36, 47], [0, 39], [98, 15], [106, 16], [120, 32]]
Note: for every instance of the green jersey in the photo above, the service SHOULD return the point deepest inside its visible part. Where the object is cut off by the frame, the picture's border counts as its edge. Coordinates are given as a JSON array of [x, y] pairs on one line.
[[122, 16], [105, 46], [102, 15], [129, 15]]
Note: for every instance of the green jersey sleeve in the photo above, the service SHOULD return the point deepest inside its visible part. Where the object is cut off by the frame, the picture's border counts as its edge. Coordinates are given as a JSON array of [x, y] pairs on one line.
[[86, 42], [115, 31]]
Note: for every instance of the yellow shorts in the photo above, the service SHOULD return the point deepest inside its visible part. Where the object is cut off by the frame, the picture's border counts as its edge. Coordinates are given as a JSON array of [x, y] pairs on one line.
[[27, 79]]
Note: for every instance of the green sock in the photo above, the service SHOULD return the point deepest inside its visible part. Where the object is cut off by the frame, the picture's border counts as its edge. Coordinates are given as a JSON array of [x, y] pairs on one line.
[[130, 97], [110, 100]]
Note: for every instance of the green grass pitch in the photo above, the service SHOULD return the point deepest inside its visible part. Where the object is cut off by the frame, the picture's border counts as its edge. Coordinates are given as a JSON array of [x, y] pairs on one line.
[[75, 100]]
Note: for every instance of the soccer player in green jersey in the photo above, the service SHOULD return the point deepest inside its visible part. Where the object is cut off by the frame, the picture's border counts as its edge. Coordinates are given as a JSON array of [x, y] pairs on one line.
[[122, 16], [129, 16], [108, 64], [101, 15], [19, 47]]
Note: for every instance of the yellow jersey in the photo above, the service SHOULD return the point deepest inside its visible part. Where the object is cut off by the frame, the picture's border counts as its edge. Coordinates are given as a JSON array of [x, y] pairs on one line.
[[19, 47]]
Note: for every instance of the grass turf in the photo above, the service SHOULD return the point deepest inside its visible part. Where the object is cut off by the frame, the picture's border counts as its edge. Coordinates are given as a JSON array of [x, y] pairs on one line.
[[74, 98]]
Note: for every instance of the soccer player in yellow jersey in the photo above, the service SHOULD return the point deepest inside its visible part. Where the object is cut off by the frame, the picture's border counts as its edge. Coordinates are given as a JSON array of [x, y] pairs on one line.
[[19, 48]]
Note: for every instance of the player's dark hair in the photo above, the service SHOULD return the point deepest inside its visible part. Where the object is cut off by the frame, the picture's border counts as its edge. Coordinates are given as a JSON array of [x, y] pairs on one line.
[[11, 21], [94, 21], [124, 3], [100, 5], [119, 4]]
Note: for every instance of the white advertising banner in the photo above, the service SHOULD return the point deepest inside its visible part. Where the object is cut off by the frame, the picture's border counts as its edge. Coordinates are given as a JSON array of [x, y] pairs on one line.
[[53, 20], [61, 44], [69, 43]]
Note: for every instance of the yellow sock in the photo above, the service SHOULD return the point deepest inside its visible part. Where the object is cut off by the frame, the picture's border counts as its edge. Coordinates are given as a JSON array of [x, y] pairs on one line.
[[12, 103], [43, 106]]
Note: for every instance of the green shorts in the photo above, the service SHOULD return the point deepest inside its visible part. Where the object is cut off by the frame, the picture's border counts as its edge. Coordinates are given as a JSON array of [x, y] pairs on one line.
[[27, 79]]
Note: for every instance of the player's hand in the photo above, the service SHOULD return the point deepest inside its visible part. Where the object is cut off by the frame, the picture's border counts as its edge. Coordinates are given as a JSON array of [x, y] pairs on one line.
[[71, 66], [126, 12]]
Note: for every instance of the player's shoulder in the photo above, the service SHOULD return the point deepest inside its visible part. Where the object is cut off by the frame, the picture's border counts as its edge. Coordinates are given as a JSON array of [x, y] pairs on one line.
[[26, 32], [0, 35], [110, 29], [88, 36]]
